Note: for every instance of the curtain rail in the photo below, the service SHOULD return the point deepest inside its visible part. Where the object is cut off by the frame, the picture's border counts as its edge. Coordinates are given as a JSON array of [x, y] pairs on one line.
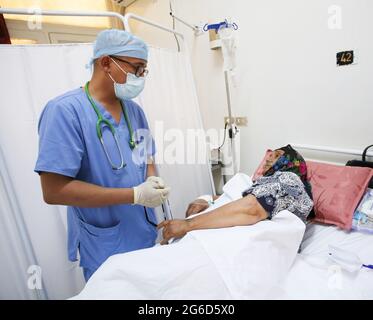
[[124, 19]]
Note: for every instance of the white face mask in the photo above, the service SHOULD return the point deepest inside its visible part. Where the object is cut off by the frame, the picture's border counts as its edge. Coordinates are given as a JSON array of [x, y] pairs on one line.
[[131, 89]]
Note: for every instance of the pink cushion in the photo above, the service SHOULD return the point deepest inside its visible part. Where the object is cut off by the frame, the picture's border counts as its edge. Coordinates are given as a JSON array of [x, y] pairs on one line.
[[337, 191], [259, 171]]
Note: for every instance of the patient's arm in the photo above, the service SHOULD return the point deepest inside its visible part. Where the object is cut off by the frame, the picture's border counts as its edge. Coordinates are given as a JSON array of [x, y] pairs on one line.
[[242, 212]]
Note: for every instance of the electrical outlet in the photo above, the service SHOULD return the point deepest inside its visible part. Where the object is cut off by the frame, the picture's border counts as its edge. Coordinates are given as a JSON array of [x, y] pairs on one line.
[[238, 121], [241, 121], [229, 121]]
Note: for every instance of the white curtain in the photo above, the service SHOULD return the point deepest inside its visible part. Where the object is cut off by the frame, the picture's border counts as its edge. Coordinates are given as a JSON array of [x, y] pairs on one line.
[[171, 105], [33, 233]]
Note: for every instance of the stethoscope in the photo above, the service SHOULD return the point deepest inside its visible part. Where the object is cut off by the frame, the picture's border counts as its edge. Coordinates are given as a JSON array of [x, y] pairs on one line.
[[101, 121]]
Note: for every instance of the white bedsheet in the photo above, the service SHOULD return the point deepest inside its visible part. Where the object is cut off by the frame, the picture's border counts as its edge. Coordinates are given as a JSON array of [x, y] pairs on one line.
[[230, 263], [252, 262], [315, 276]]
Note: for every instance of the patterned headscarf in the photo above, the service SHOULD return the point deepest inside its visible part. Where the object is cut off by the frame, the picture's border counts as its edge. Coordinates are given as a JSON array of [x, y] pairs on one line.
[[291, 161]]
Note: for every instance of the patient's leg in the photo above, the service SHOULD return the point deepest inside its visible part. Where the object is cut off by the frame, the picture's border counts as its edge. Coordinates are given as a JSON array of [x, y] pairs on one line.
[[179, 271]]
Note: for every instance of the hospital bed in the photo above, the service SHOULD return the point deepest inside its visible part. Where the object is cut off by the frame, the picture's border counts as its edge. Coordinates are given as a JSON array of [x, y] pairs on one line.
[[315, 276], [311, 276], [278, 259]]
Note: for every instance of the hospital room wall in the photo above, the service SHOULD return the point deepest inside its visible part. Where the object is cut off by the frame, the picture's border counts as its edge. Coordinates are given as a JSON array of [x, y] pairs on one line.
[[289, 86], [206, 63]]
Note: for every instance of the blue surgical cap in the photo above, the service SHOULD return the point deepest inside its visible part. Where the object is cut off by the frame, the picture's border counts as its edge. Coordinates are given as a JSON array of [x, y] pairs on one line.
[[119, 43]]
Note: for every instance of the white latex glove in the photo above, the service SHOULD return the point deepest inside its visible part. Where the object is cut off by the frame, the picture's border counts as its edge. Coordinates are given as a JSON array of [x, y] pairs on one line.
[[158, 180], [151, 193]]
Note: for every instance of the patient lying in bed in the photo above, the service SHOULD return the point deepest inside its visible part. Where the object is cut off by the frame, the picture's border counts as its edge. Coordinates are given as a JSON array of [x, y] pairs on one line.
[[284, 186], [236, 258]]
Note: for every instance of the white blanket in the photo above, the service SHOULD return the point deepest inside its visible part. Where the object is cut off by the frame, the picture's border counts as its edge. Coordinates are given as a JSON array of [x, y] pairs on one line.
[[230, 263]]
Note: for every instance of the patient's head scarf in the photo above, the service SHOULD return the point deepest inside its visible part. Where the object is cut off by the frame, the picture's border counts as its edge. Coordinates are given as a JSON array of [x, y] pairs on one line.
[[291, 161], [119, 43]]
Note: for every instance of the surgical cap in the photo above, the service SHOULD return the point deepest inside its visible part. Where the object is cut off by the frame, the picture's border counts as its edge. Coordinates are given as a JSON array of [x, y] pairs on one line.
[[119, 43]]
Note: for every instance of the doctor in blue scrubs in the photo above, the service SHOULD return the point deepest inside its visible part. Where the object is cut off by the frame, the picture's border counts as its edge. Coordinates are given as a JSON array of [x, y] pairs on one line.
[[96, 156]]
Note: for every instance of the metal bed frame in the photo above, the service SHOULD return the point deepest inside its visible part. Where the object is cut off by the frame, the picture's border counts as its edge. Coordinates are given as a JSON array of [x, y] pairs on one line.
[[331, 149]]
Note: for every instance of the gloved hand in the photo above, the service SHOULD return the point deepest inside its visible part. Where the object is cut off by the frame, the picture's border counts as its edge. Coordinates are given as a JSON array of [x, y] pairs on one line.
[[151, 193], [158, 180]]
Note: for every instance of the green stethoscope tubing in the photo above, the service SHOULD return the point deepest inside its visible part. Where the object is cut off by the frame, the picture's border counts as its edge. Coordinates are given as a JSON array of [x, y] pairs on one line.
[[101, 121], [132, 143]]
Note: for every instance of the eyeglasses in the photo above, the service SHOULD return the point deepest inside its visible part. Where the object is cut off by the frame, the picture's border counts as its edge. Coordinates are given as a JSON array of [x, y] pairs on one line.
[[140, 71]]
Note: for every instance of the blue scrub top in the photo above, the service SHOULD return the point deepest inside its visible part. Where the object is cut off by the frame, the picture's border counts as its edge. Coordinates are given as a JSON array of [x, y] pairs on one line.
[[68, 145]]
